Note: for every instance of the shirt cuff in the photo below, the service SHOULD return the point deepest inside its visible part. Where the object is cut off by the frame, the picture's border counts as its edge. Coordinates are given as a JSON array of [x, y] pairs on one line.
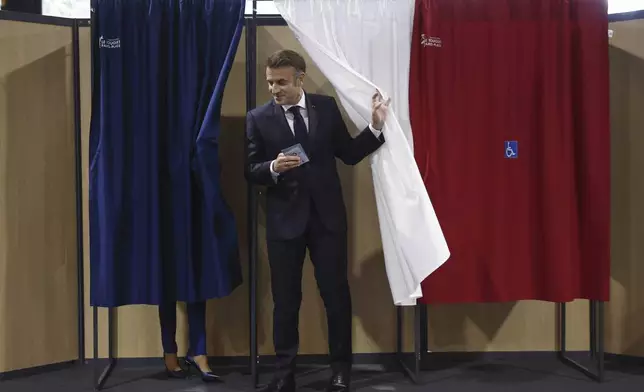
[[375, 132], [274, 174]]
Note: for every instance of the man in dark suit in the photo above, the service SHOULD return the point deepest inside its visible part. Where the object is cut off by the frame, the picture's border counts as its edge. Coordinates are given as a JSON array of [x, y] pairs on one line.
[[305, 208]]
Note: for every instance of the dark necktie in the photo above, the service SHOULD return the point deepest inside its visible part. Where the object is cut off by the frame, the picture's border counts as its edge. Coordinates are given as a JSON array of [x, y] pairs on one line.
[[301, 134]]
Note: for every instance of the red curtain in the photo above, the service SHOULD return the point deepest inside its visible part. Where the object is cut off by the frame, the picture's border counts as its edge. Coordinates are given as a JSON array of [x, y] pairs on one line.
[[510, 116]]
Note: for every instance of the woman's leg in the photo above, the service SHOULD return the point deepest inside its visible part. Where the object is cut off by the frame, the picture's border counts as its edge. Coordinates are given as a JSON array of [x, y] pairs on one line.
[[197, 326], [168, 322]]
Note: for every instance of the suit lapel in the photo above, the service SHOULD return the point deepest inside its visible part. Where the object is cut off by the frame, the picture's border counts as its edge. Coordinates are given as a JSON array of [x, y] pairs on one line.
[[313, 117]]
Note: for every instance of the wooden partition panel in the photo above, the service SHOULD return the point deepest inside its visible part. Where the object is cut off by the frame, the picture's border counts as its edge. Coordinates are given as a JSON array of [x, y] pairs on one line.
[[625, 312], [38, 285]]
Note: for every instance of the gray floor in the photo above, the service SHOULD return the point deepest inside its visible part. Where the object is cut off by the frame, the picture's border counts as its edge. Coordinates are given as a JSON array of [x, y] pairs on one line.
[[538, 375]]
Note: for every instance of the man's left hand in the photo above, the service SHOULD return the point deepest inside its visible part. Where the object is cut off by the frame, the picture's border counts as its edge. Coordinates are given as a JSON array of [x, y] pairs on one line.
[[379, 109]]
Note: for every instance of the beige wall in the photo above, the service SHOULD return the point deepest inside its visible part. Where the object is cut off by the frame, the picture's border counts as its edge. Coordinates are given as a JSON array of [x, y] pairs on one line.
[[37, 204], [625, 316], [527, 325]]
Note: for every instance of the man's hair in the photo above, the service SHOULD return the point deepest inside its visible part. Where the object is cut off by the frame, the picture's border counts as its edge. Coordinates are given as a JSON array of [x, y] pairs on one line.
[[286, 58]]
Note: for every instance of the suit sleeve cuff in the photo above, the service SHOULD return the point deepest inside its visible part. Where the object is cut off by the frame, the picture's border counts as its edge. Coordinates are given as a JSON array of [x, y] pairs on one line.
[[375, 132]]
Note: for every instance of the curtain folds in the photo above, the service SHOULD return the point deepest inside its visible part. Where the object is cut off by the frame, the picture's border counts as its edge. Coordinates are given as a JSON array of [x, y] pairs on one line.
[[362, 46], [510, 114], [160, 228]]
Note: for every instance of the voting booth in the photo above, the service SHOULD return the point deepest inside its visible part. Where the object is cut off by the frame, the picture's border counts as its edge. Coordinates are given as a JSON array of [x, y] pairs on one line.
[[47, 323]]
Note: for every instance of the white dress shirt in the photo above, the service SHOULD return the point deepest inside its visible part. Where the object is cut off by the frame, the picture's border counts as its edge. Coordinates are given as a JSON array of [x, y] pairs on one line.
[[290, 118]]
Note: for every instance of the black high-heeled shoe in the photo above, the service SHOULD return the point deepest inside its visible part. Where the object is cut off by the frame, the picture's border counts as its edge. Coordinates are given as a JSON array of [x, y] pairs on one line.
[[181, 374], [175, 373], [205, 376]]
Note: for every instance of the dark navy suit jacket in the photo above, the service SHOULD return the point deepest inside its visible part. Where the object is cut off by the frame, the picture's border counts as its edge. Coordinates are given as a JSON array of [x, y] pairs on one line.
[[288, 201]]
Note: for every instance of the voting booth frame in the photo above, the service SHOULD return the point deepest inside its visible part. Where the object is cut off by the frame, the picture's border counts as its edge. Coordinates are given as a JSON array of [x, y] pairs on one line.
[[412, 363]]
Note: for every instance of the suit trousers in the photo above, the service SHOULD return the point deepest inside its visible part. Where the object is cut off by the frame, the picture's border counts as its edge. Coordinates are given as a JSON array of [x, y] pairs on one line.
[[328, 253], [196, 326]]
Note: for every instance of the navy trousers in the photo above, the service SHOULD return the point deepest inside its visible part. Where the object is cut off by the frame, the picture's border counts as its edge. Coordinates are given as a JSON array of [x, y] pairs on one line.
[[196, 326]]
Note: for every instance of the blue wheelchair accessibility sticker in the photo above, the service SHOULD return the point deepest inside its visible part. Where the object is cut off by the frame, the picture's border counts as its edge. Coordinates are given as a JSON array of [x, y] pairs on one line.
[[512, 149]]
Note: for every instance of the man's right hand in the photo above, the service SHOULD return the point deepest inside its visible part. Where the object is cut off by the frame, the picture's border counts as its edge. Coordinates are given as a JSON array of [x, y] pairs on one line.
[[284, 163]]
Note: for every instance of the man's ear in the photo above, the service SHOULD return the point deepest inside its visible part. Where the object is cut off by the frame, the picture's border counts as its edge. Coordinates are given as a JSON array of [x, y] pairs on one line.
[[300, 78]]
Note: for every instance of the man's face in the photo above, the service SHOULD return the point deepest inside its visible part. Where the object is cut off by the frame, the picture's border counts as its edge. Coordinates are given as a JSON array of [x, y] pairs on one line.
[[285, 85]]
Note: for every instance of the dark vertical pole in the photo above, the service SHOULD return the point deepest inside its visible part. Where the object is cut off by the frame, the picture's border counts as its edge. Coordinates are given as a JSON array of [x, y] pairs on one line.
[[80, 270], [92, 32], [592, 313], [111, 316], [418, 355], [92, 27], [399, 331], [596, 343], [100, 377], [251, 87], [600, 340], [562, 328], [95, 338], [424, 333]]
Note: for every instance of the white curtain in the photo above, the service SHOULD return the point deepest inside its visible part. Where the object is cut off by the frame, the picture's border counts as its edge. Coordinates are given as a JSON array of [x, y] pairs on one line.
[[67, 8], [362, 46]]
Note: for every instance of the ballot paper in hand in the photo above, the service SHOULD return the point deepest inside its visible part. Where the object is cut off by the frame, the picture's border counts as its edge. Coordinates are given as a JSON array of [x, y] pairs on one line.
[[296, 150]]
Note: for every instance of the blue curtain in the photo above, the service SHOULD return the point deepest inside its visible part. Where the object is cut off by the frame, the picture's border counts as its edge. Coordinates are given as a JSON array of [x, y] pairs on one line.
[[160, 228]]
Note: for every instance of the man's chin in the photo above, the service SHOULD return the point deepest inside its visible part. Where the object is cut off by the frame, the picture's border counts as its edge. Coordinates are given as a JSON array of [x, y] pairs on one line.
[[279, 100]]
